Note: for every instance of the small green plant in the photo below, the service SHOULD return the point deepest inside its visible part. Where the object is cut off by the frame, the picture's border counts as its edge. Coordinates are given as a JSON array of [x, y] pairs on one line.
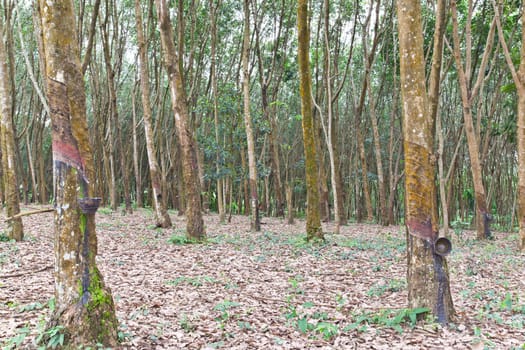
[[53, 337], [303, 325], [122, 334], [4, 238], [186, 323], [291, 309], [181, 240], [244, 325], [197, 281], [30, 307], [224, 311], [327, 330], [294, 284], [216, 345], [105, 210], [51, 304], [10, 248], [17, 340], [394, 285], [479, 338], [340, 301], [507, 303], [387, 318]]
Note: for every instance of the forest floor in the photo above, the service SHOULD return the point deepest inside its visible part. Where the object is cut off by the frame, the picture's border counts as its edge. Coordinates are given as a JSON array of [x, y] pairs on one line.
[[268, 290]]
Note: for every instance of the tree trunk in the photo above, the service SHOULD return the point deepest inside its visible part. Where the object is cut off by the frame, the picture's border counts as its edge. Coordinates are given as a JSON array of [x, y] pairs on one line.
[[162, 217], [483, 216], [328, 129], [322, 177], [246, 185], [31, 165], [364, 172], [136, 163], [255, 222], [84, 305], [289, 204], [14, 229], [521, 141], [519, 80], [383, 216], [194, 225], [267, 74], [313, 220], [433, 99], [213, 73], [114, 116], [427, 273]]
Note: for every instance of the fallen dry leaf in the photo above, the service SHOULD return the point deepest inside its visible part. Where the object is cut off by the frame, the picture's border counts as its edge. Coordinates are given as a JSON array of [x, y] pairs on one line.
[[267, 290]]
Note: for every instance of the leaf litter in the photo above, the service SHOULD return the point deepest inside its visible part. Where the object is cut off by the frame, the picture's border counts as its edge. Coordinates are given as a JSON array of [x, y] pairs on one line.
[[270, 289]]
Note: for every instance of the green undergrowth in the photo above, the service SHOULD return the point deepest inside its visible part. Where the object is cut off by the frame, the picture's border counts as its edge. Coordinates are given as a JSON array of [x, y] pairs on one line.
[[387, 245], [196, 281], [46, 338], [4, 237], [389, 318], [179, 239]]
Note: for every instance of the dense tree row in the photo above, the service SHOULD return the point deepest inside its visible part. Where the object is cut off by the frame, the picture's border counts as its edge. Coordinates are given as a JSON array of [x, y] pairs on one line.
[[355, 79]]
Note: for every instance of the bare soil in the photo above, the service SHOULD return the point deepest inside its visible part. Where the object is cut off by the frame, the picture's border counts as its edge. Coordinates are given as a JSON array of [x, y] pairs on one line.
[[268, 290]]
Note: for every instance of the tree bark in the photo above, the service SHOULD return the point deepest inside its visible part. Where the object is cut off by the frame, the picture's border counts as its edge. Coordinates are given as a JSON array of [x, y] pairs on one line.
[[162, 217], [255, 223], [136, 162], [313, 220], [14, 229], [427, 273], [91, 37], [383, 216], [289, 204], [213, 73], [84, 305], [433, 99], [268, 74], [519, 80], [194, 225], [328, 129], [114, 117], [483, 216]]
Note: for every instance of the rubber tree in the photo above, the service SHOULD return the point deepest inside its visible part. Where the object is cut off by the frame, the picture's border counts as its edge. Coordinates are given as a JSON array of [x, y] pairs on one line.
[[427, 273], [14, 228], [469, 91], [214, 9], [255, 222], [84, 305], [313, 219], [195, 224], [162, 218], [518, 76]]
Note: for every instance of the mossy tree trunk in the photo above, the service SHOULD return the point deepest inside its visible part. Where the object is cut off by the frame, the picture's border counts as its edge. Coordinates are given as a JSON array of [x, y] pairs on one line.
[[162, 218], [427, 273], [84, 305], [14, 228], [313, 220], [195, 224]]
